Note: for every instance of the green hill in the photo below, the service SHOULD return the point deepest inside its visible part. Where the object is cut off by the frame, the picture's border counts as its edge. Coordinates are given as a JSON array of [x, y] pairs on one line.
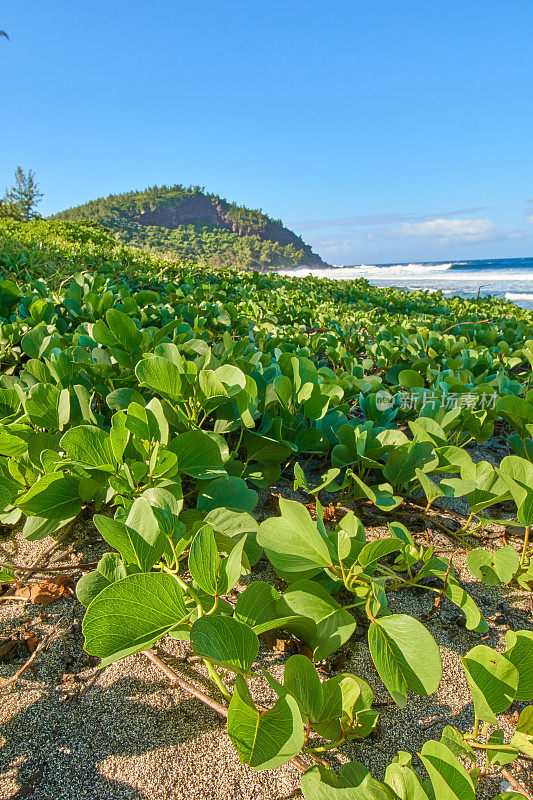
[[189, 224]]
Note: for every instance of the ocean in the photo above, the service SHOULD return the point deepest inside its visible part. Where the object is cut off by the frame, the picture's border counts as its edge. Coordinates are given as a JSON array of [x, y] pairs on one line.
[[511, 278]]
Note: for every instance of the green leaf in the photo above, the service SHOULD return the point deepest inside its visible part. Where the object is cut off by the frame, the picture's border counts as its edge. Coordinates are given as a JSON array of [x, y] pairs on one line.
[[42, 406], [493, 681], [517, 412], [409, 378], [36, 341], [402, 778], [406, 656], [264, 740], [346, 709], [334, 625], [523, 736], [475, 621], [518, 475], [503, 756], [302, 681], [142, 519], [380, 494], [198, 455], [120, 399], [12, 445], [494, 568], [7, 575], [230, 492], [136, 543], [161, 375], [166, 505], [119, 435], [122, 331], [509, 796], [292, 541], [431, 490], [109, 570], [231, 568], [353, 782], [204, 560], [520, 654], [401, 464], [54, 496], [131, 615], [373, 551], [37, 528], [90, 446], [455, 742], [225, 641], [212, 390], [262, 608], [235, 524], [450, 780], [5, 498]]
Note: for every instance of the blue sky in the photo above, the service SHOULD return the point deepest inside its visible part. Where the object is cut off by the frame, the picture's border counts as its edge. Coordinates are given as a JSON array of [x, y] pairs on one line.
[[380, 131]]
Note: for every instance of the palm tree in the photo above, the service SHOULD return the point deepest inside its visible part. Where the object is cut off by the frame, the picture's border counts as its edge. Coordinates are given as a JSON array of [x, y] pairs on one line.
[[3, 33]]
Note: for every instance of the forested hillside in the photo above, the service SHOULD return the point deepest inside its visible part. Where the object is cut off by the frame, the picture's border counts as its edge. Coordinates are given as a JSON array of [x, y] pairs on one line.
[[187, 223]]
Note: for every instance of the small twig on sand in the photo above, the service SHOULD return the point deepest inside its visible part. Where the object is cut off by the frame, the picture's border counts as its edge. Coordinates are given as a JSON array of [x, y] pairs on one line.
[[35, 566], [34, 569], [185, 685], [12, 598], [297, 762], [39, 560], [516, 786], [425, 725], [5, 682]]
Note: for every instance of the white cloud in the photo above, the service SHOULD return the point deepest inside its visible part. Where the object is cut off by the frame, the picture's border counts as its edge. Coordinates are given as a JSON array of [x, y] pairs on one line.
[[436, 238], [530, 220], [378, 219], [448, 230]]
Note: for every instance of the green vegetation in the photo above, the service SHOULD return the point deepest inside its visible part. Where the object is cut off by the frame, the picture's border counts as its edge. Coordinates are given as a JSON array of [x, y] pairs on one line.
[[20, 201], [161, 396], [189, 224]]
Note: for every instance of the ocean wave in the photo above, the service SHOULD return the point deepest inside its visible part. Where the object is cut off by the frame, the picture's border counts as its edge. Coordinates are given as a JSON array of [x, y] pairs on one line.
[[519, 296], [369, 271], [419, 271]]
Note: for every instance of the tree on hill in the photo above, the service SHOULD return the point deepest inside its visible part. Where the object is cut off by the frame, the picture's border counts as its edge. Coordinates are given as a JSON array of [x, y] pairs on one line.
[[21, 199]]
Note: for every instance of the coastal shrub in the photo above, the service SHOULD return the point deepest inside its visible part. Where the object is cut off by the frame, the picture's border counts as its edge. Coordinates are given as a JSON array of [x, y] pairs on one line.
[[161, 398]]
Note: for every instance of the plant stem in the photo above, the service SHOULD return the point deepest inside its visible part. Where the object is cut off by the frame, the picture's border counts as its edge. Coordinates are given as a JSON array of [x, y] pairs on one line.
[[368, 611], [324, 748], [526, 542], [213, 607], [215, 677], [480, 746], [186, 588], [475, 732], [174, 553]]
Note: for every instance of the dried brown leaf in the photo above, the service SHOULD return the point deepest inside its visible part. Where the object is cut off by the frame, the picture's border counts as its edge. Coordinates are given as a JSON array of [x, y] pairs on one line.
[[45, 592]]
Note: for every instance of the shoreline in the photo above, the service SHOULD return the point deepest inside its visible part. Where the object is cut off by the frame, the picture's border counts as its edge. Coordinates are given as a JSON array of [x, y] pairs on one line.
[[467, 280]]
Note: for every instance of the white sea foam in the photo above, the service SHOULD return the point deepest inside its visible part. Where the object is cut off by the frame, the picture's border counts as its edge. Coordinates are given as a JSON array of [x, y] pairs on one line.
[[464, 280], [368, 270], [408, 271], [519, 296]]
